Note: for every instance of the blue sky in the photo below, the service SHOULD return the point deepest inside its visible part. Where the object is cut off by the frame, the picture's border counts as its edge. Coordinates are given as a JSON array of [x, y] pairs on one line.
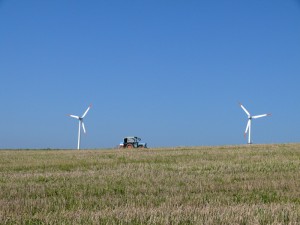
[[171, 72]]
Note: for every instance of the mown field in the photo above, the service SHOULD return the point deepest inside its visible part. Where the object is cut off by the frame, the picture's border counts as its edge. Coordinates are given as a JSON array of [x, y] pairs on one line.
[[257, 184]]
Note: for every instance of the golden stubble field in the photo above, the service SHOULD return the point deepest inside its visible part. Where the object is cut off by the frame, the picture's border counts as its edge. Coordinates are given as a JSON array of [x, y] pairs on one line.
[[256, 184]]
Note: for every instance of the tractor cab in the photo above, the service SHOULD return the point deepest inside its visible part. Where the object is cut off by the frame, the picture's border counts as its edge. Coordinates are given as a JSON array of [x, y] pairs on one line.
[[132, 142]]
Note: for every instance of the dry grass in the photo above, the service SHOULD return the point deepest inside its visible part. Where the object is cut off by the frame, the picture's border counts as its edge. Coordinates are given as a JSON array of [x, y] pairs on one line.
[[257, 184]]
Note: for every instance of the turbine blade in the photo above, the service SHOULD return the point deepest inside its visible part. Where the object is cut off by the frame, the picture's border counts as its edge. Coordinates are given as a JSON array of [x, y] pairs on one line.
[[76, 117], [84, 114], [247, 128], [259, 116], [83, 127], [245, 109]]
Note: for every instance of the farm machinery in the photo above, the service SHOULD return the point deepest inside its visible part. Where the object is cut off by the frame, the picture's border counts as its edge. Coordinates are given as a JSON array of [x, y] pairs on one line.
[[132, 142]]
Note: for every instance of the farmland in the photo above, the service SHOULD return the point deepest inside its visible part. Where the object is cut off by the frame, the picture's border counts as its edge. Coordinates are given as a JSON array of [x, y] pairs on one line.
[[255, 184]]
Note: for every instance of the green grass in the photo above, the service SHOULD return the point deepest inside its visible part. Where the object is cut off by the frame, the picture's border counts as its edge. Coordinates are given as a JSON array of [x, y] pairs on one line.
[[257, 184]]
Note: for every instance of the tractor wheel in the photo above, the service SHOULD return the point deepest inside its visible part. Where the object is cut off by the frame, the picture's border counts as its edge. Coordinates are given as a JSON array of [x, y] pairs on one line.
[[129, 146]]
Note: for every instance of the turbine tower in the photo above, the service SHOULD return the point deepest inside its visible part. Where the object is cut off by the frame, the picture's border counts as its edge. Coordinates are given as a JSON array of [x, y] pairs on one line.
[[248, 127], [81, 124]]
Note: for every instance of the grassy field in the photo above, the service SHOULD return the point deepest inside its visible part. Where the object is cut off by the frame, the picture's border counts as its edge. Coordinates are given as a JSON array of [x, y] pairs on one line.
[[257, 184]]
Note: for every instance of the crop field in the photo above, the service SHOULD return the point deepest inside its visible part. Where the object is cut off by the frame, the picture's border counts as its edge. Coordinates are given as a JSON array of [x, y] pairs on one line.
[[256, 184]]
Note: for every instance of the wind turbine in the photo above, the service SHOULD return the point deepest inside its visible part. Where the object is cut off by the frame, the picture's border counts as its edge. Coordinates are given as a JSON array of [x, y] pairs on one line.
[[81, 124], [248, 127]]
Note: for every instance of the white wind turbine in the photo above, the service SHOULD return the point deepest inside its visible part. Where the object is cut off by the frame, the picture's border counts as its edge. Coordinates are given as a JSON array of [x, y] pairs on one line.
[[81, 124], [248, 127]]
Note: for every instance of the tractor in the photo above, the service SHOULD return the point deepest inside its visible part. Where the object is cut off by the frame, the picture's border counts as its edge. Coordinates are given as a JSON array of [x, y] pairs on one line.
[[132, 142]]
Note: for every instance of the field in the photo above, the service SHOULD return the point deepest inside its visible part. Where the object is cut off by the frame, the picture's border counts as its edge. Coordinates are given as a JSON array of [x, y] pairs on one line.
[[257, 184]]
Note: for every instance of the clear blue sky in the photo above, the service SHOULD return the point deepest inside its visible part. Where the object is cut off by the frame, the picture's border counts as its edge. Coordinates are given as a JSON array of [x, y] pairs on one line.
[[171, 72]]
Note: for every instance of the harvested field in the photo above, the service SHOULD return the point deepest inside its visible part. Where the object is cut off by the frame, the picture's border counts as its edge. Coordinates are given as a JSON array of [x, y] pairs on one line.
[[255, 184]]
